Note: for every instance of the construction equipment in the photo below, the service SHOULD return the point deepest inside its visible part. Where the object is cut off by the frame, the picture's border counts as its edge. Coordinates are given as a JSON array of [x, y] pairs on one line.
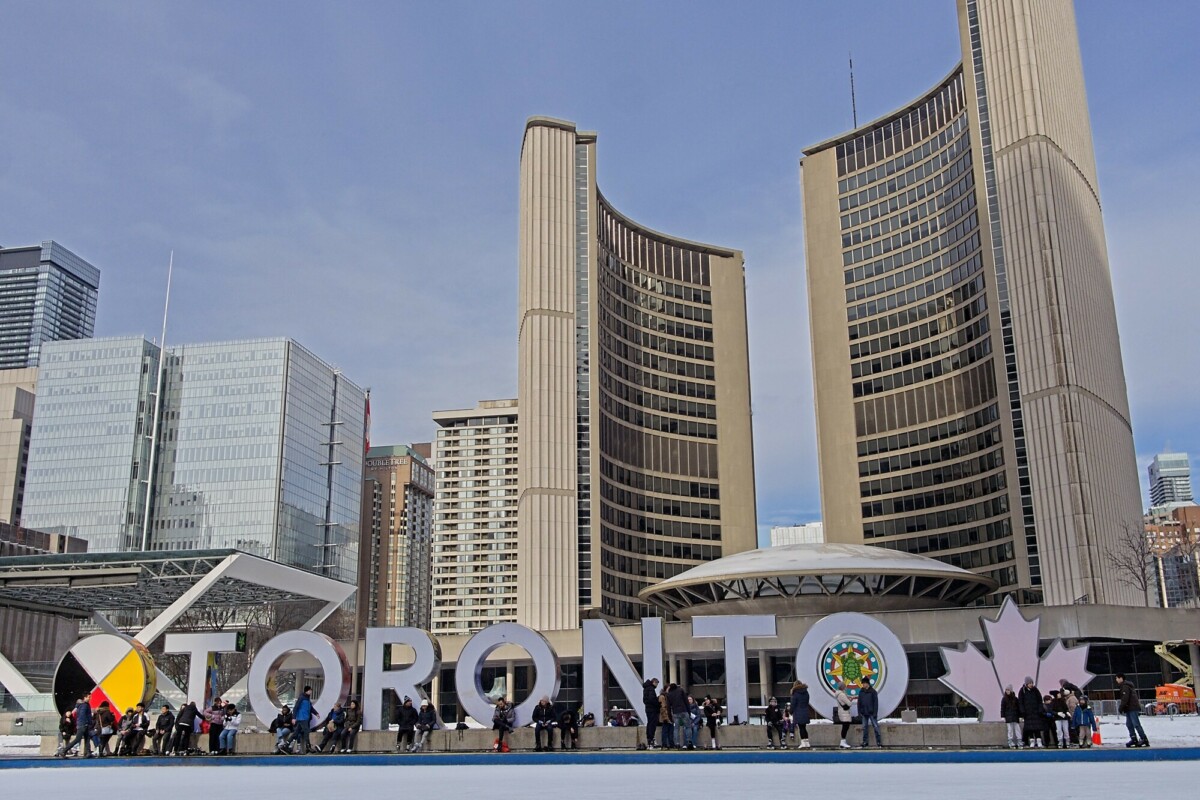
[[1178, 697]]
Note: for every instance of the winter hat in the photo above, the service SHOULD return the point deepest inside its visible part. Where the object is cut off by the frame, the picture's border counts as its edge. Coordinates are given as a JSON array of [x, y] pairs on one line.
[[424, 704], [1028, 680], [1008, 688]]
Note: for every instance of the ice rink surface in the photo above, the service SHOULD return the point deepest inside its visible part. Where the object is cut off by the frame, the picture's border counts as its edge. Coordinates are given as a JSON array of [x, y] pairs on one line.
[[645, 782]]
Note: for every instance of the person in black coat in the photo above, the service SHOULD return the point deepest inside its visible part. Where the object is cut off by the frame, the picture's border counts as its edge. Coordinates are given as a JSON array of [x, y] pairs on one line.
[[773, 722], [568, 724], [651, 707], [185, 726], [162, 731], [1010, 711], [406, 723], [544, 719], [868, 710], [1030, 701]]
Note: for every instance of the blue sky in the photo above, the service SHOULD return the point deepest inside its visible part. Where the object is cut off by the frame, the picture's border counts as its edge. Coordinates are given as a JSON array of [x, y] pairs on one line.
[[346, 173]]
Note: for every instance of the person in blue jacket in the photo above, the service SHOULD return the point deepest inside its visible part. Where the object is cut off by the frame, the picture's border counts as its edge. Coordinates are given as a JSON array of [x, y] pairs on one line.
[[303, 713], [1085, 720], [83, 728], [868, 709]]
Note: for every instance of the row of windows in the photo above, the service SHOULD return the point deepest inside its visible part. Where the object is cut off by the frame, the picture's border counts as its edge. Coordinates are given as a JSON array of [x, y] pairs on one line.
[[620, 309], [653, 283], [650, 341], [924, 269], [643, 450], [942, 282], [896, 222], [646, 504], [934, 477], [934, 369], [922, 352], [630, 543], [951, 518], [952, 396], [904, 131], [953, 540], [676, 529], [908, 316], [917, 174], [649, 252], [654, 422], [617, 279], [657, 402], [931, 147], [945, 496], [652, 483], [950, 322], [652, 380], [931, 455], [641, 567], [959, 188], [641, 358]]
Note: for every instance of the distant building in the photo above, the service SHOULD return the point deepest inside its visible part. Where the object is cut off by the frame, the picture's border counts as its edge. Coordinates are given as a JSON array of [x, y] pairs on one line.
[[31, 640], [400, 577], [475, 517], [1173, 533], [17, 389], [1170, 479], [808, 533], [47, 293], [257, 445]]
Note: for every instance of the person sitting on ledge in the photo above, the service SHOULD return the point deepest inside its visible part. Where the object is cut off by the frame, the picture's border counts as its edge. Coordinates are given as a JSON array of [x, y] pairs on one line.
[[426, 721], [504, 718], [544, 719], [568, 724]]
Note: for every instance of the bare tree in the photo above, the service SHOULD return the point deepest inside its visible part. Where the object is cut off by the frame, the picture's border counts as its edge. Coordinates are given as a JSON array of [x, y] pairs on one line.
[[1132, 559]]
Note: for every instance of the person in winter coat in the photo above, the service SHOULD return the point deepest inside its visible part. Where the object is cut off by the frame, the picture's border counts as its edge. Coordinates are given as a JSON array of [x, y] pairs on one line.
[[164, 726], [123, 730], [282, 726], [106, 725], [1072, 701], [1128, 706], [650, 706], [1062, 719], [303, 714], [426, 721], [545, 720], [712, 718], [215, 717], [677, 703], [568, 725], [666, 722], [695, 722], [1049, 734], [66, 731], [141, 727], [83, 725], [868, 710], [773, 722], [406, 723], [331, 728], [185, 722], [1030, 700], [227, 741], [504, 718], [354, 722], [1085, 722], [844, 716], [1010, 711], [800, 716]]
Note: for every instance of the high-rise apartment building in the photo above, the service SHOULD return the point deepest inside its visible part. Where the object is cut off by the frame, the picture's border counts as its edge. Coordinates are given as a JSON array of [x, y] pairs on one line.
[[971, 400], [634, 384], [808, 533], [475, 517], [1170, 479], [47, 293], [402, 566], [255, 445], [17, 388]]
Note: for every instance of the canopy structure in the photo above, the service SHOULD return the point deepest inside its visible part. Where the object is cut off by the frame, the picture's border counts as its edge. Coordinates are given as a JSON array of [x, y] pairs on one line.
[[817, 578]]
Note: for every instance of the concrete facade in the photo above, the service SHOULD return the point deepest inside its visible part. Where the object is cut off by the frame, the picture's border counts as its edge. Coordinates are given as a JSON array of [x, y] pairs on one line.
[[635, 462], [955, 252], [17, 390]]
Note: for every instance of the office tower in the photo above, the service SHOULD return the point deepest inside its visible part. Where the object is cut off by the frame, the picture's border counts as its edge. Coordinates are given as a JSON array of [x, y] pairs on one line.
[[634, 383], [402, 572], [475, 517], [970, 394], [1170, 479], [17, 388], [1173, 535], [47, 293], [808, 533], [258, 446]]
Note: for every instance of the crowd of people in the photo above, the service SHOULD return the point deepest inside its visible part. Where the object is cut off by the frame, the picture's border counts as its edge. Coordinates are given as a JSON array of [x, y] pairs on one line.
[[1064, 718]]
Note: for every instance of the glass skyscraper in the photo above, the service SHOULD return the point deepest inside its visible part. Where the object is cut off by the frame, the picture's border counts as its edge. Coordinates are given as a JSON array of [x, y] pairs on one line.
[[47, 293], [258, 446]]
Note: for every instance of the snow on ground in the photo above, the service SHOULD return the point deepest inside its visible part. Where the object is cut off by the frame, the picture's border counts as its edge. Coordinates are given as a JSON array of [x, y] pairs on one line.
[[645, 782], [19, 745]]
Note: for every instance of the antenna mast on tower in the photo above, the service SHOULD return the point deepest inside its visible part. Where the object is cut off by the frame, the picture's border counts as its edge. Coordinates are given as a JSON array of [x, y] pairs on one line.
[[853, 106]]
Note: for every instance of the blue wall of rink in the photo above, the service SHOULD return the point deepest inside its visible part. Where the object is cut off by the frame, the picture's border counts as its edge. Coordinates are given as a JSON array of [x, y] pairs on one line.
[[698, 757]]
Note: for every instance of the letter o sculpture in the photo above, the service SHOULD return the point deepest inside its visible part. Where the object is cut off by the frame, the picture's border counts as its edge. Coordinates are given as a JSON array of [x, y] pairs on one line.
[[469, 670]]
